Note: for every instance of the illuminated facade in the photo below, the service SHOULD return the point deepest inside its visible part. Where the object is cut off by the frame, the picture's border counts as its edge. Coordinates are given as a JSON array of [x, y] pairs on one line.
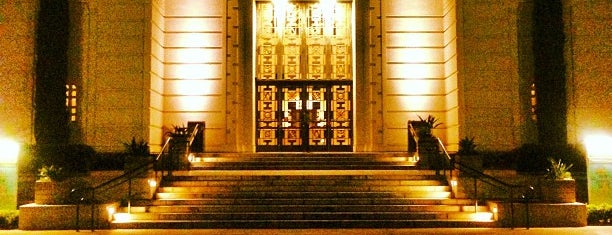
[[341, 75]]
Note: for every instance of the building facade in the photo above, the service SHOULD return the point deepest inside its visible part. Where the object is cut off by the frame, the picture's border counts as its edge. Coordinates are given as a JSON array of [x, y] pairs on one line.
[[303, 75]]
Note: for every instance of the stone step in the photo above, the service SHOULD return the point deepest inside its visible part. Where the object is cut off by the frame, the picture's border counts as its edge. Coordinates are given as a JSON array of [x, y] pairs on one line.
[[299, 182], [305, 167], [297, 215], [296, 224], [304, 188], [303, 201], [203, 175], [299, 159], [301, 194], [174, 209]]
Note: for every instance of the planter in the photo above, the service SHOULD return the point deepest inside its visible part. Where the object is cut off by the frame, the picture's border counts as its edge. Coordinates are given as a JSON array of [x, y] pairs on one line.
[[559, 191], [429, 152], [50, 192]]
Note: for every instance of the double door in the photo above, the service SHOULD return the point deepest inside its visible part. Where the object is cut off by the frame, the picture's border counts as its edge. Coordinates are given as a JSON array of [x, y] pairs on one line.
[[304, 116]]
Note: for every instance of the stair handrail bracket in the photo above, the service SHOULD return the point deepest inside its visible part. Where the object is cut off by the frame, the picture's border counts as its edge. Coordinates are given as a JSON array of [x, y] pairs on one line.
[[478, 175], [160, 167]]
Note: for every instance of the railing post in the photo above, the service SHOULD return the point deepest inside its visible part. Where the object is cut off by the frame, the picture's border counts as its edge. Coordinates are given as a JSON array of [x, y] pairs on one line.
[[78, 212], [130, 195], [475, 194], [93, 199], [511, 207]]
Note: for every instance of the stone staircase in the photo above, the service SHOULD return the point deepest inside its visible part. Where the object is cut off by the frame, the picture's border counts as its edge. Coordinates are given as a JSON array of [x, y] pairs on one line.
[[303, 191]]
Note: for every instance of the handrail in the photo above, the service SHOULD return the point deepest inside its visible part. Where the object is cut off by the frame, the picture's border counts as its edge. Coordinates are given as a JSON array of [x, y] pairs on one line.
[[413, 138], [129, 175], [485, 178]]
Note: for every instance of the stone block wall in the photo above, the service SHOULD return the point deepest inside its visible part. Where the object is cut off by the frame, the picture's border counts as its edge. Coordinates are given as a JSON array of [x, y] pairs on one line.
[[588, 54], [17, 41]]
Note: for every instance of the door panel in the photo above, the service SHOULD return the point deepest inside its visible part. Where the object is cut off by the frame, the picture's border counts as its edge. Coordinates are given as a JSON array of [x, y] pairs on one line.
[[305, 117]]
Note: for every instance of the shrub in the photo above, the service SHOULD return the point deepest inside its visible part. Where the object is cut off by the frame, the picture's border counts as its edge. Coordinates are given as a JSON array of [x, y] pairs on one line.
[[531, 158], [599, 214], [498, 160], [534, 158], [9, 219], [72, 158], [467, 146], [107, 161]]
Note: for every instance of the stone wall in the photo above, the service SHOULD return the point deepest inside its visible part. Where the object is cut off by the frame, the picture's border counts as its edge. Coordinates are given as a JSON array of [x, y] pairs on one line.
[[588, 55], [17, 40], [491, 80], [115, 62]]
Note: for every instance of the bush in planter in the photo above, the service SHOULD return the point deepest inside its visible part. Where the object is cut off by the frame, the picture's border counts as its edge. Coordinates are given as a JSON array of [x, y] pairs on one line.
[[54, 186], [599, 214], [429, 150], [424, 126], [9, 219], [558, 170], [559, 186]]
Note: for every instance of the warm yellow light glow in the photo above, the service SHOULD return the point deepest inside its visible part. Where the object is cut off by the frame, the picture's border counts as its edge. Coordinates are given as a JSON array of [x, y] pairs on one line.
[[152, 183], [454, 183], [280, 11], [494, 210], [482, 216], [327, 8], [9, 150], [110, 210], [598, 146], [122, 217]]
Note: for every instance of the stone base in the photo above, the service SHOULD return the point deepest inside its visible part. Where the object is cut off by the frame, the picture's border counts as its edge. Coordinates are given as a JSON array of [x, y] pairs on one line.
[[541, 214], [62, 217]]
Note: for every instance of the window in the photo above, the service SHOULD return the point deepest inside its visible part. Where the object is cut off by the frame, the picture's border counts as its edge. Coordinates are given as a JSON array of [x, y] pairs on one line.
[[71, 102]]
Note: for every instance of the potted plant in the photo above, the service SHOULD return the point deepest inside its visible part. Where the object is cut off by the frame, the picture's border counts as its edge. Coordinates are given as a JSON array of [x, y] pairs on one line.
[[179, 147], [52, 186], [428, 145], [559, 185], [468, 155]]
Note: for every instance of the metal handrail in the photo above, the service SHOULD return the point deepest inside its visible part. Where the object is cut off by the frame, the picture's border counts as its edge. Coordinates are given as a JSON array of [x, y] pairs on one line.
[[128, 176], [485, 178], [413, 138]]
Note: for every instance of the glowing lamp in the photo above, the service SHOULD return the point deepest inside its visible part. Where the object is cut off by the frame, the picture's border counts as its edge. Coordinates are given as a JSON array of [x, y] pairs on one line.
[[598, 147], [152, 183], [9, 150]]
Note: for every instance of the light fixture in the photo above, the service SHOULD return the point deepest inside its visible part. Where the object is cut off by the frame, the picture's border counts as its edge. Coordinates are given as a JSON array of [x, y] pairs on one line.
[[598, 147], [9, 151], [152, 183]]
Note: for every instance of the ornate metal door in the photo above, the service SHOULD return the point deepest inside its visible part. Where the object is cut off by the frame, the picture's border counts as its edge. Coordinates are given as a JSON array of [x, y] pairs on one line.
[[304, 117], [304, 76]]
